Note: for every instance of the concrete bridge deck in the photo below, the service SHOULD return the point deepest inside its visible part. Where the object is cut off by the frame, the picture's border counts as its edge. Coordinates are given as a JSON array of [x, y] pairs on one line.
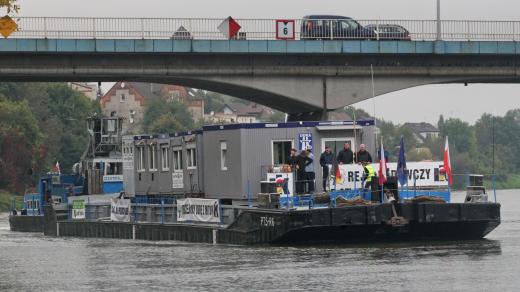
[[18, 45], [303, 78]]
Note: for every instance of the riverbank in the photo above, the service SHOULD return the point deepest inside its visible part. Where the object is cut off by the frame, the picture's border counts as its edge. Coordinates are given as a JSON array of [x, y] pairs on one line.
[[5, 201]]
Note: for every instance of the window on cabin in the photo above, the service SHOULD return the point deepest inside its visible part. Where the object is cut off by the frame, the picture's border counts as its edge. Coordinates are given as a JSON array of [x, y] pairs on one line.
[[165, 158], [281, 151], [152, 156], [115, 168], [191, 157], [140, 158], [223, 155], [177, 159]]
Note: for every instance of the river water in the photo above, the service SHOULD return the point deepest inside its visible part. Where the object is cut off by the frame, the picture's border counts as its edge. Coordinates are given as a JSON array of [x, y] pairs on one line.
[[32, 262]]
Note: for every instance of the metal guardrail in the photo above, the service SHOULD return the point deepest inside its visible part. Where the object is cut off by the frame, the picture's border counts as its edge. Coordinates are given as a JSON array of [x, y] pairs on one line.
[[152, 213], [258, 29]]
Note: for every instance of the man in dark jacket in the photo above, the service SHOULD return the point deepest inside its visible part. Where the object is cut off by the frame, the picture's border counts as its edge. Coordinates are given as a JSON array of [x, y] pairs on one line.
[[301, 163], [345, 156], [362, 155], [293, 157], [326, 160]]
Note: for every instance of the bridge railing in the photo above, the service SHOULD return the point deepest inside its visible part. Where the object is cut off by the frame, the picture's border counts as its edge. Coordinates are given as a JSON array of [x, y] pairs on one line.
[[253, 29]]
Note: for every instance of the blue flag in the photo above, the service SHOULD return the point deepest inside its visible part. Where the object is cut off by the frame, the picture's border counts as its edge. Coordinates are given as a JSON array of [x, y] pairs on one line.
[[402, 175]]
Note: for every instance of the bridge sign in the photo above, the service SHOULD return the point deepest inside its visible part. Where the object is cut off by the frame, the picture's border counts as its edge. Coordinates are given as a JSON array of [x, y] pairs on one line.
[[285, 29], [7, 26]]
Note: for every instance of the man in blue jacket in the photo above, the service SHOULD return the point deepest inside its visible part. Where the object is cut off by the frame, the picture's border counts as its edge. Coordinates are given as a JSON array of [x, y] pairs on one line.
[[326, 160]]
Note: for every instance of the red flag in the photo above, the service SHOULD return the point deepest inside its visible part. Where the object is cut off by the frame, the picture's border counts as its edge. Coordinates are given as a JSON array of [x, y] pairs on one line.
[[56, 168], [229, 27], [447, 163], [382, 166]]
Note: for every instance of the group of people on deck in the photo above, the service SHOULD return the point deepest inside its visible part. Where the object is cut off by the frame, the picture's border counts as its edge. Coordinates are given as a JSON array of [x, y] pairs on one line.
[[347, 156], [303, 163]]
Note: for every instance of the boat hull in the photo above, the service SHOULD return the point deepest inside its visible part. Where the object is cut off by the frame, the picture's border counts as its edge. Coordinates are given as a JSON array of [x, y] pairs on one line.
[[347, 224], [23, 223]]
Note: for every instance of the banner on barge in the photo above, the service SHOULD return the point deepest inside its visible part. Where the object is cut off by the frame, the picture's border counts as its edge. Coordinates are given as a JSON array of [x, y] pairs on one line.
[[200, 210], [120, 210]]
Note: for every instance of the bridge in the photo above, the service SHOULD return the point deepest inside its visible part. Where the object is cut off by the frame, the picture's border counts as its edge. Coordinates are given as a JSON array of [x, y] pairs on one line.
[[303, 77]]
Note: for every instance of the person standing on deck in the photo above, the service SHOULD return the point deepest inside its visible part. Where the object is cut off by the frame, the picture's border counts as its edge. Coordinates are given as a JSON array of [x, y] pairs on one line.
[[326, 160], [301, 163], [362, 156], [345, 156], [293, 159], [309, 171], [369, 174]]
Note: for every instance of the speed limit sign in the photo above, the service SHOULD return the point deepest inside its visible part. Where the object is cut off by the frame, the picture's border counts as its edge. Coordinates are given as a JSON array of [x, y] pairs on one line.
[[285, 29]]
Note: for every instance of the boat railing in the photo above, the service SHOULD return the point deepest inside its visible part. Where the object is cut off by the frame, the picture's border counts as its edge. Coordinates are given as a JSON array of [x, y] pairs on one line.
[[154, 213], [164, 211]]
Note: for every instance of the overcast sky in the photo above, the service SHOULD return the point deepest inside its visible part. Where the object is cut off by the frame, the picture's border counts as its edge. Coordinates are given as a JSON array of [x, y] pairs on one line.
[[423, 103]]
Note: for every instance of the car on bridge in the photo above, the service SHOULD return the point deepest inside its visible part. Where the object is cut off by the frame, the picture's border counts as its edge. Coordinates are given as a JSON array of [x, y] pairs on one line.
[[390, 32], [333, 27]]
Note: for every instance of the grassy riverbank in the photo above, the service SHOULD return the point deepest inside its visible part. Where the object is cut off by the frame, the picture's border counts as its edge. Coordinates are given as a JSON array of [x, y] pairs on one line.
[[5, 201]]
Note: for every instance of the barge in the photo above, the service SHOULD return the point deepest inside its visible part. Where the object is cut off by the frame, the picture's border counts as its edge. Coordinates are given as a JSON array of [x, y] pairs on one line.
[[231, 184]]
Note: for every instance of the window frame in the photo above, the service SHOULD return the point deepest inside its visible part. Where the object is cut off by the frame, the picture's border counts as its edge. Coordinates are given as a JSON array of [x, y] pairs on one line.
[[165, 161], [141, 160], [272, 149], [191, 160], [177, 159], [152, 153], [223, 156]]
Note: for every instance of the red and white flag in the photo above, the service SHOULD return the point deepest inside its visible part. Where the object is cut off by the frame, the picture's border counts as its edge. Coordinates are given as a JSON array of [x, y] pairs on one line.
[[447, 163], [382, 166], [229, 27], [56, 168]]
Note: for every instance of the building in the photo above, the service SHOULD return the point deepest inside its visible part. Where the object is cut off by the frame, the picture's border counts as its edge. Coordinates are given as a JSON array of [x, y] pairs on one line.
[[127, 99], [235, 112], [188, 97], [225, 161], [90, 90], [422, 131]]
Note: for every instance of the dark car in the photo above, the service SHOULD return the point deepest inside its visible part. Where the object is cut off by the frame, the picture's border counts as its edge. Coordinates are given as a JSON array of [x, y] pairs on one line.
[[333, 27], [390, 32]]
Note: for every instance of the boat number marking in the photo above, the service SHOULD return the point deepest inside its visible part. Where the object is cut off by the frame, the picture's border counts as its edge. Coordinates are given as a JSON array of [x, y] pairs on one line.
[[266, 221]]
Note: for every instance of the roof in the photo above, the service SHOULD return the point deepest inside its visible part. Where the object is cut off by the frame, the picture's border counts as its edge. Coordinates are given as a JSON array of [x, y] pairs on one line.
[[421, 127], [251, 109], [325, 17], [359, 123], [152, 90]]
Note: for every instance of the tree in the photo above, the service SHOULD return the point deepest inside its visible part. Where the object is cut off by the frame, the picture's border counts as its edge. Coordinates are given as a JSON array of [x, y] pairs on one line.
[[20, 138], [461, 135], [167, 115], [10, 5]]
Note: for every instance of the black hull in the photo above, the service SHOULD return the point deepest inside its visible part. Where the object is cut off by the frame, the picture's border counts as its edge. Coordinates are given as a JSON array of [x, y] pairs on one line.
[[378, 233], [348, 224], [26, 223]]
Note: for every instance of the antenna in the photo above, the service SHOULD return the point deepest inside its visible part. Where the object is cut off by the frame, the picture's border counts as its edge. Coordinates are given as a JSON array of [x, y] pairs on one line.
[[493, 144], [374, 102], [355, 130]]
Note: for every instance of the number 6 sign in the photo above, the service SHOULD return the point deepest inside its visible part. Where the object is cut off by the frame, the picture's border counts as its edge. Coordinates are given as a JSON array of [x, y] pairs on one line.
[[285, 29]]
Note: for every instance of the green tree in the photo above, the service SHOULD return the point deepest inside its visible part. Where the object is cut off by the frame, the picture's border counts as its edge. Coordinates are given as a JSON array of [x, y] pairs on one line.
[[20, 138], [160, 113]]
